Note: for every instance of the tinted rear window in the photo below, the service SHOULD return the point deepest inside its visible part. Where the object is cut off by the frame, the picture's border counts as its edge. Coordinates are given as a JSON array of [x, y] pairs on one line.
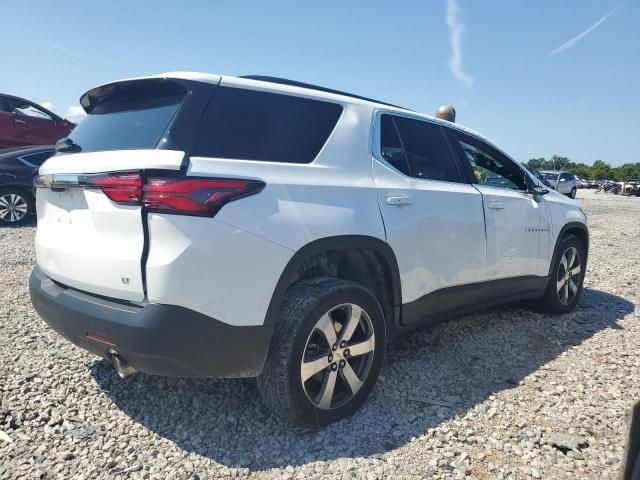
[[250, 125], [128, 115]]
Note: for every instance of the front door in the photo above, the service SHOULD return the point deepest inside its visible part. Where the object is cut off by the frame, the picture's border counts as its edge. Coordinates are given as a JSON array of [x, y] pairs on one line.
[[518, 223], [433, 217]]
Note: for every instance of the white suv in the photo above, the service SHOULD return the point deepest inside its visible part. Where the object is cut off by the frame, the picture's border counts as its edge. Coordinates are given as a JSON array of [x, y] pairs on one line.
[[205, 225]]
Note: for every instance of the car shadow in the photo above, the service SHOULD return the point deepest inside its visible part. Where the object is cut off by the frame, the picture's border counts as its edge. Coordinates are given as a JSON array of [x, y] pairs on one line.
[[431, 375]]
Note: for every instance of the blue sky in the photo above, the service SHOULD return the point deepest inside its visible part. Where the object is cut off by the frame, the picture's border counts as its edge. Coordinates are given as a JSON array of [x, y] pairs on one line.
[[505, 65]]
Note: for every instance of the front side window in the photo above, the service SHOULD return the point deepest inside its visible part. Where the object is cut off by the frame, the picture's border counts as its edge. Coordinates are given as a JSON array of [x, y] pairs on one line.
[[566, 177], [250, 125], [489, 166], [424, 148]]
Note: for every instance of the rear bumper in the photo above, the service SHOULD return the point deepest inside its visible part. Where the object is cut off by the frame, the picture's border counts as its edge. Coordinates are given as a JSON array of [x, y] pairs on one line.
[[158, 339]]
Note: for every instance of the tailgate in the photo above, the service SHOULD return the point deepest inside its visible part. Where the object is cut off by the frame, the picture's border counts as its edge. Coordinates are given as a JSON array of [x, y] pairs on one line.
[[84, 239]]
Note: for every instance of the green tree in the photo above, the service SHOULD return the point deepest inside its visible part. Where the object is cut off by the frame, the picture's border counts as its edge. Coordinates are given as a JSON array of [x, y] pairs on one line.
[[558, 163], [601, 170], [537, 163]]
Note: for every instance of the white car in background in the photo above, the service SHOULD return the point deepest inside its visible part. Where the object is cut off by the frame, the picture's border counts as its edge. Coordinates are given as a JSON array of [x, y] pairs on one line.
[[563, 182], [216, 226]]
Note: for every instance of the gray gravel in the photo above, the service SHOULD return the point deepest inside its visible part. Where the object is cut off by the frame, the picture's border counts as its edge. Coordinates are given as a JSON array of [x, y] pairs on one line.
[[505, 393]]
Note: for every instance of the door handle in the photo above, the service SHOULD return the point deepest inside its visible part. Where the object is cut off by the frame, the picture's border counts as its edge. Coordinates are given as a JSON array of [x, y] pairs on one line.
[[399, 200], [22, 122], [496, 205]]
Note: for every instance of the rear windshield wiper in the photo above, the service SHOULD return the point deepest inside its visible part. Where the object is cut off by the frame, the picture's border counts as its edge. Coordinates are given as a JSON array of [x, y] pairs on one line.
[[67, 145]]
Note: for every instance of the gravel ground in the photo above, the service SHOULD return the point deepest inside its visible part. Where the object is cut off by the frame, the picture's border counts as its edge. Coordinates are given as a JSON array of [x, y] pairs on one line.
[[504, 393]]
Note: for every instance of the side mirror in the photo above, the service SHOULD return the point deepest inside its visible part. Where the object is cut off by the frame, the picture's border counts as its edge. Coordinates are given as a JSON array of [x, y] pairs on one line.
[[537, 190]]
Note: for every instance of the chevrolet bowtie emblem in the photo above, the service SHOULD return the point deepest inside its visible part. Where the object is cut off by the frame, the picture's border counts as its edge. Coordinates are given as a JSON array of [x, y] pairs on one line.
[[47, 180]]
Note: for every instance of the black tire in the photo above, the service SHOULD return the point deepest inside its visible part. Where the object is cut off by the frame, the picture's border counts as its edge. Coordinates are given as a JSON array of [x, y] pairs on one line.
[[281, 385], [552, 300], [18, 199], [573, 193]]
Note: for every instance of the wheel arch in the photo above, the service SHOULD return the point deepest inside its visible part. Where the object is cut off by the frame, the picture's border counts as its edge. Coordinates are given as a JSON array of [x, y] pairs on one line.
[[572, 228], [320, 255]]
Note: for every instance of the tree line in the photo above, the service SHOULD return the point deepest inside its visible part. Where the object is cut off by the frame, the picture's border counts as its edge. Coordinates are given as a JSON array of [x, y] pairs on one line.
[[600, 170]]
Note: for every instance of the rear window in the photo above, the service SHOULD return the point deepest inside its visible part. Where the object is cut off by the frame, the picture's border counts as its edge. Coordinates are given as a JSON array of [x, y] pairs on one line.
[[127, 115], [250, 125]]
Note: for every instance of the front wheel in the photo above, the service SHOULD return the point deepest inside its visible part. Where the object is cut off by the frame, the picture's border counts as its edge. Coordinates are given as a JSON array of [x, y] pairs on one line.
[[573, 193], [326, 354], [567, 276], [15, 206]]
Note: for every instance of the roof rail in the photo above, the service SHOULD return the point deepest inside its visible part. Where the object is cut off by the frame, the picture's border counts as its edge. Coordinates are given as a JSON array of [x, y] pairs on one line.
[[294, 83]]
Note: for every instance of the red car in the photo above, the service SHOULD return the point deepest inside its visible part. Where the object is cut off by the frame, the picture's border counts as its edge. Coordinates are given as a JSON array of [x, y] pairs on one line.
[[24, 123]]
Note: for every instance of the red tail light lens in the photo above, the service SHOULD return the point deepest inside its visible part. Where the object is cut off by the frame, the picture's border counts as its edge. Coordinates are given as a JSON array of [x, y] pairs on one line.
[[195, 196], [125, 187]]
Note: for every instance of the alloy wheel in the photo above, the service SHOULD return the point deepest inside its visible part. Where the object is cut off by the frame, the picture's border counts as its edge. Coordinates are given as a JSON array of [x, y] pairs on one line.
[[568, 278], [13, 207], [337, 357]]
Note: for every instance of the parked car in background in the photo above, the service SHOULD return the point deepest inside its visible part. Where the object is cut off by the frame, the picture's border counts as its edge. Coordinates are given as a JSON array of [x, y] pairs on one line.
[[582, 184], [539, 176], [25, 123], [563, 182], [18, 167]]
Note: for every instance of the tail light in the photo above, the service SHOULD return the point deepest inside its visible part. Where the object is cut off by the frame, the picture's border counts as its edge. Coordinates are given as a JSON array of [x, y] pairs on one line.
[[184, 195], [123, 187], [194, 196]]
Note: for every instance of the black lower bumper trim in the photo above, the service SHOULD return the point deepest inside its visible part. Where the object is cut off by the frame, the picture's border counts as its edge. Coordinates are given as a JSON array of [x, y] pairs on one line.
[[159, 339]]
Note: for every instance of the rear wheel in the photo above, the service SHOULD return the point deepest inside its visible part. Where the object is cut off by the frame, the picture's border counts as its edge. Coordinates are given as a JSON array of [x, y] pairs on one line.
[[573, 193], [567, 275], [326, 353], [15, 206]]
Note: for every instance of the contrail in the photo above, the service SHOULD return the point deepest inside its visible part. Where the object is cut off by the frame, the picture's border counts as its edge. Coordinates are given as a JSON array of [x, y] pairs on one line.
[[567, 45], [456, 32], [73, 53]]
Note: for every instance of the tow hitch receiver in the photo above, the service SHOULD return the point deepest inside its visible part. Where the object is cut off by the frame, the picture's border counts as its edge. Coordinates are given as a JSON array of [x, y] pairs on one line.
[[120, 364]]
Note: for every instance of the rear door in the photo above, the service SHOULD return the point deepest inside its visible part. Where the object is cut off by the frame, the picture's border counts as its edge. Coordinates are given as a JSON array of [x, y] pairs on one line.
[[433, 217], [90, 222], [518, 223]]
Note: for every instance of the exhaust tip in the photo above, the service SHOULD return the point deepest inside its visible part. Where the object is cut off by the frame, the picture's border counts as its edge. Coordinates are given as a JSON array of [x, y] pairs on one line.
[[123, 369]]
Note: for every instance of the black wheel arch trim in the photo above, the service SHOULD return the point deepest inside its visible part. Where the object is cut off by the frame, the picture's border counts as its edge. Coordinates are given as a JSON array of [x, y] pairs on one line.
[[563, 231], [336, 243]]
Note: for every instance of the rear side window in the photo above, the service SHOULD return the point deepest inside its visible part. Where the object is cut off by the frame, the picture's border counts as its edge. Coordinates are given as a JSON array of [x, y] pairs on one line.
[[127, 115], [250, 125], [425, 148], [567, 177], [391, 146]]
